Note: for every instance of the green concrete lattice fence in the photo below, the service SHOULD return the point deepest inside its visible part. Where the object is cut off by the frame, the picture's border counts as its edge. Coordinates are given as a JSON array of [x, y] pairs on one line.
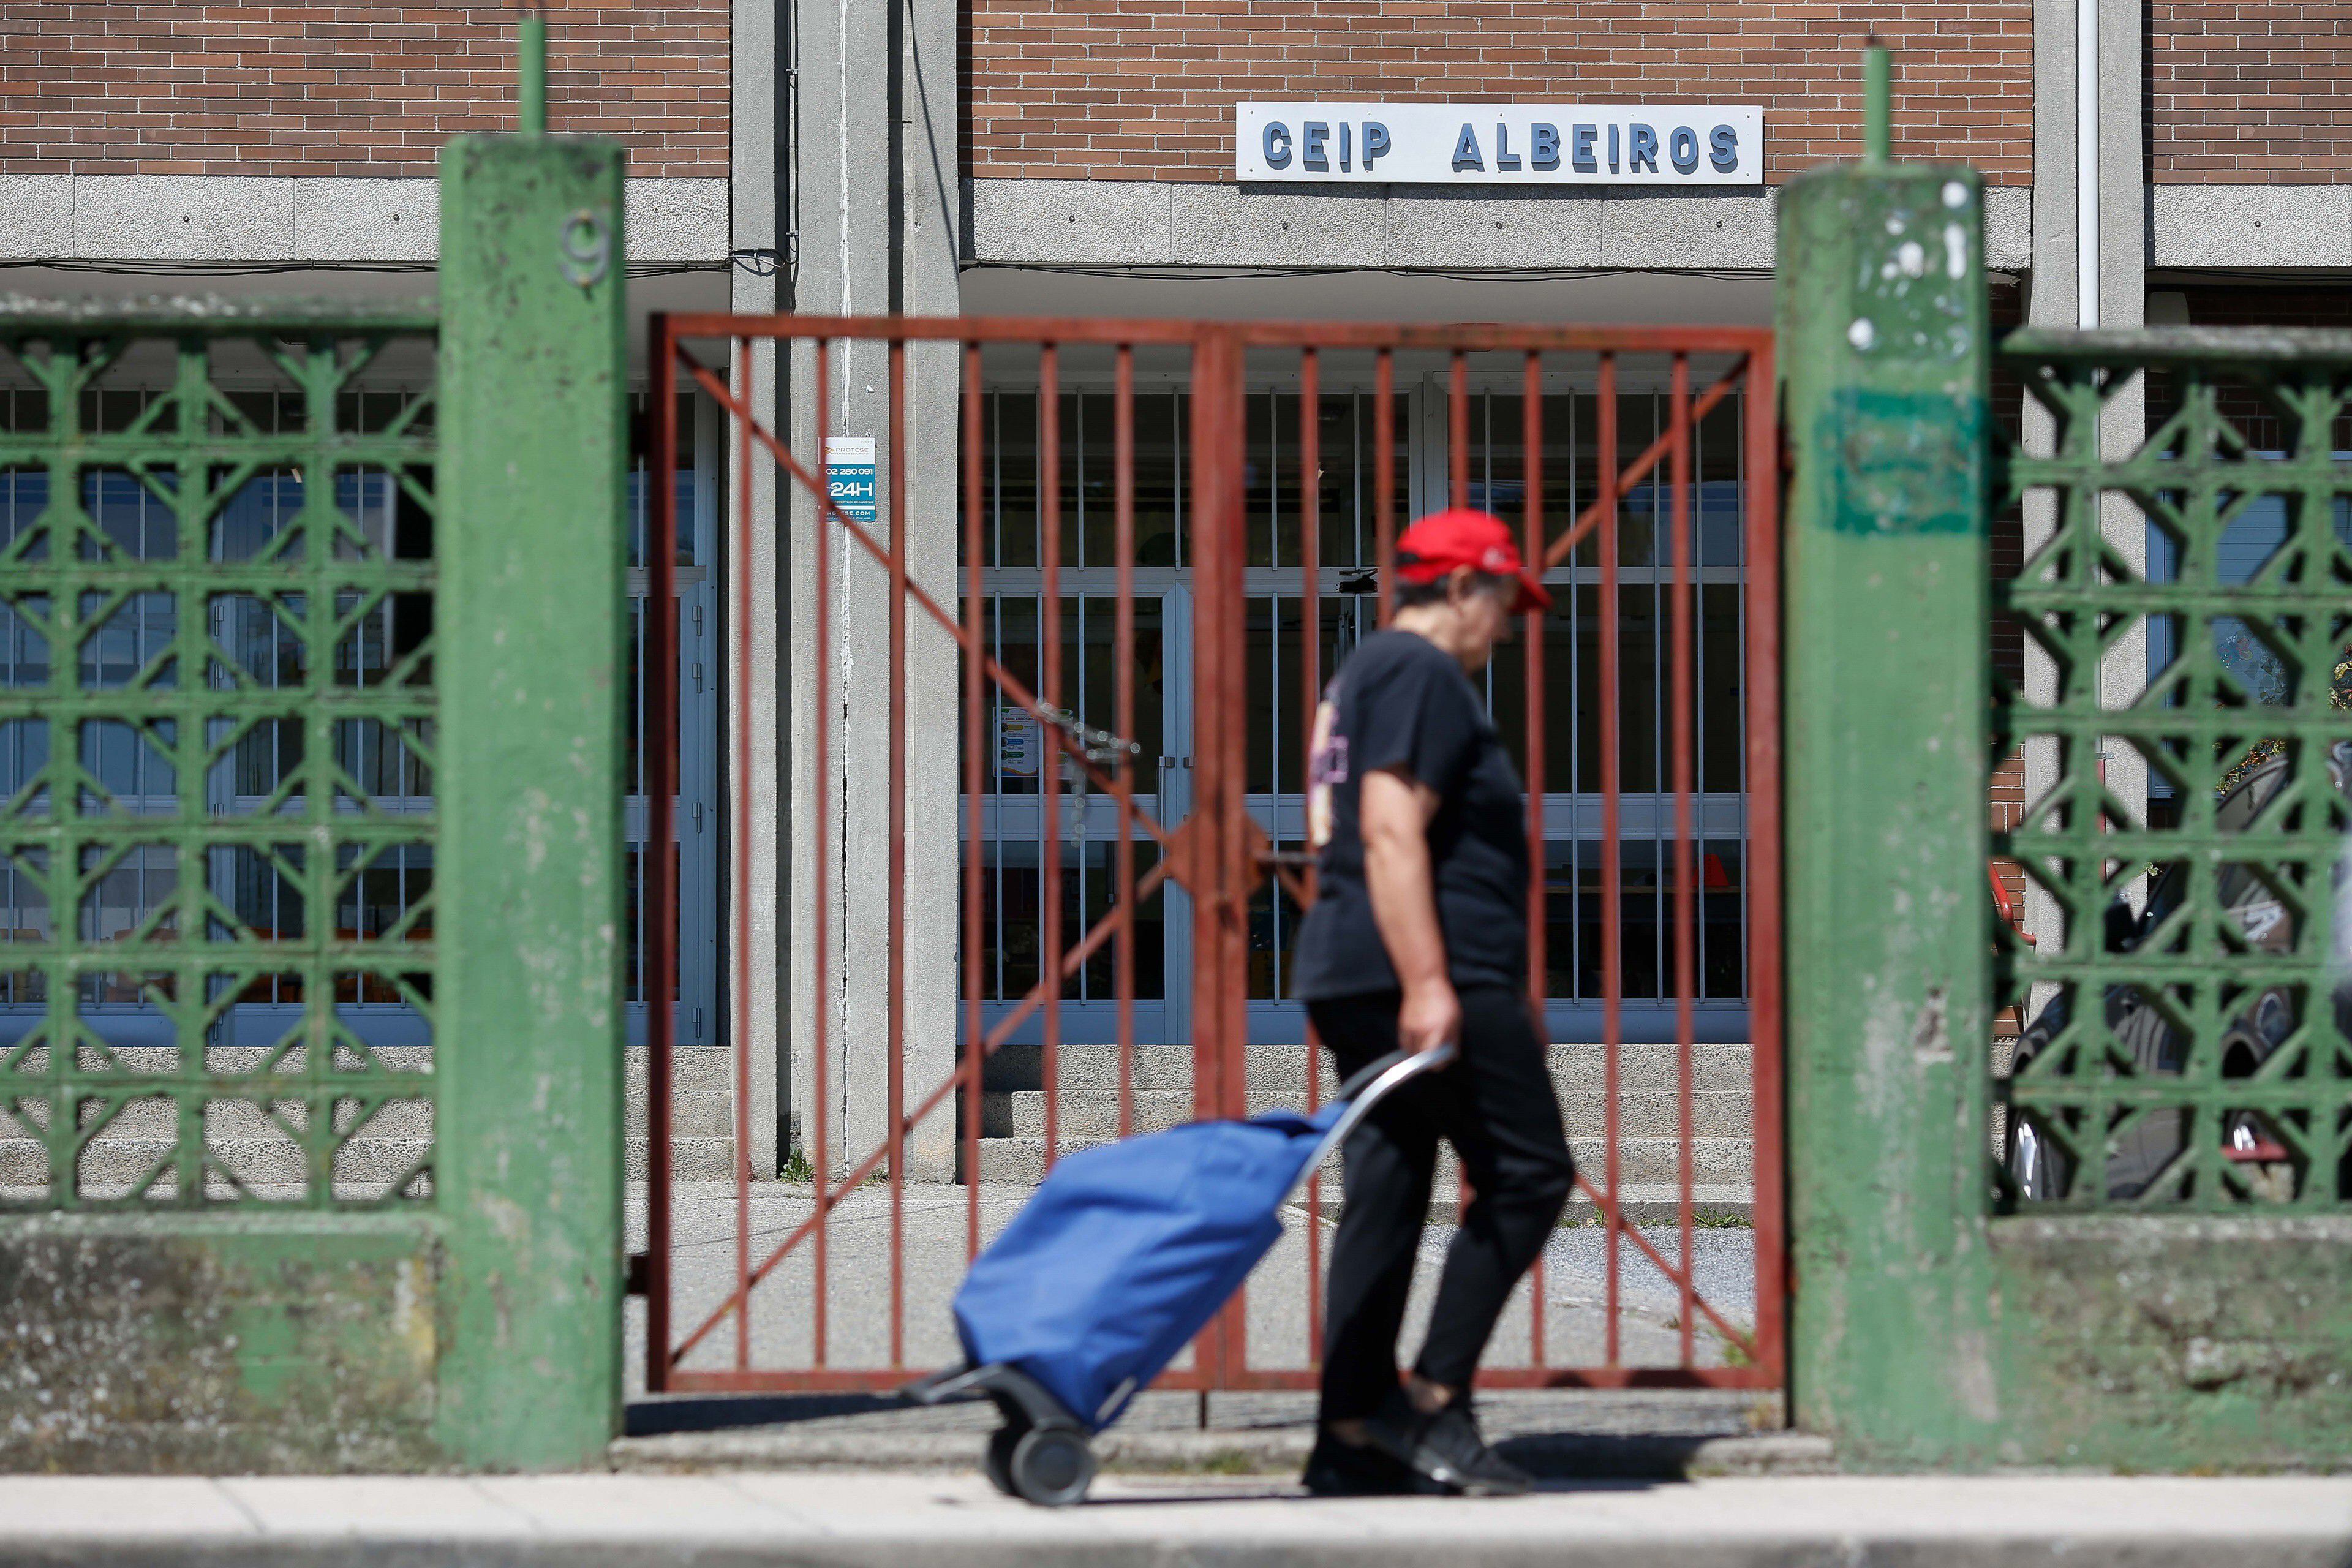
[[311, 679], [218, 730], [2187, 1050]]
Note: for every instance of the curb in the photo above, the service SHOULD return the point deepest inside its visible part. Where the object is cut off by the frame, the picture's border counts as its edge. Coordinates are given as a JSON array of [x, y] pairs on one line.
[[1574, 1456]]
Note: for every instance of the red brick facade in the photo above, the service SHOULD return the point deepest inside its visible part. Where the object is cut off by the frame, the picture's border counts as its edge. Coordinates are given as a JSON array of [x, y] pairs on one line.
[[130, 87], [2250, 92], [1145, 88]]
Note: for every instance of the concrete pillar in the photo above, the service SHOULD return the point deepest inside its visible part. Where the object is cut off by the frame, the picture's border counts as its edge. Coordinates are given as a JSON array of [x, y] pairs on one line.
[[527, 1166], [753, 663], [873, 185], [2053, 292], [1881, 322]]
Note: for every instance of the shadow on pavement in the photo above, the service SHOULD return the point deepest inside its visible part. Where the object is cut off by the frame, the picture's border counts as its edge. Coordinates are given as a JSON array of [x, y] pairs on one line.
[[658, 1417], [1564, 1460]]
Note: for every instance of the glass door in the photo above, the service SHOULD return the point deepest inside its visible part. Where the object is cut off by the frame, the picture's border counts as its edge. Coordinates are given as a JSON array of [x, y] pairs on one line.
[[1014, 824]]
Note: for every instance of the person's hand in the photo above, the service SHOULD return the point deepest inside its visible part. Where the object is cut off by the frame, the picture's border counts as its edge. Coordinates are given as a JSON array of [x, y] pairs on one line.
[[1429, 1019]]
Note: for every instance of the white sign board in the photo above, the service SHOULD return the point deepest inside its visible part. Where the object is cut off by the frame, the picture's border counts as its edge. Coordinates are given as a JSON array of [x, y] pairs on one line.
[[849, 476], [1019, 746], [1501, 143]]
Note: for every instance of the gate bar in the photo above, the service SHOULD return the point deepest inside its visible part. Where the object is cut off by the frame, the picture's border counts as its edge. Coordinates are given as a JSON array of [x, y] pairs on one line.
[[1123, 716], [742, 1000], [1531, 631], [974, 725], [1679, 704], [658, 874], [822, 919], [895, 1005], [1310, 699], [1612, 854]]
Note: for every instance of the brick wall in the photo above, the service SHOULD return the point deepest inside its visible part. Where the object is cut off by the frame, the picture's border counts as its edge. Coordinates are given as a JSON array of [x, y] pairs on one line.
[[1145, 88], [2250, 92], [123, 87]]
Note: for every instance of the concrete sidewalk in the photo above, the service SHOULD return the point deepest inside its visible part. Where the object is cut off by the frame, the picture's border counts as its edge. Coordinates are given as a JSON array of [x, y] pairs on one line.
[[906, 1519], [1583, 1433]]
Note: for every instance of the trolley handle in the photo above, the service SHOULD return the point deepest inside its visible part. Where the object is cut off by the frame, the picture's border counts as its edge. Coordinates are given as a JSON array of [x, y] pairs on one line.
[[1364, 1090]]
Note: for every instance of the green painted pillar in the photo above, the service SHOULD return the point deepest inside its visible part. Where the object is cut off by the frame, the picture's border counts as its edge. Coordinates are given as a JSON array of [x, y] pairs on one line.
[[531, 659], [1884, 351]]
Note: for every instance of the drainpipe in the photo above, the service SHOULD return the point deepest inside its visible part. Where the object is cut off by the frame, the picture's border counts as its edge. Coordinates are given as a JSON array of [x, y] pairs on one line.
[[530, 70], [2086, 162]]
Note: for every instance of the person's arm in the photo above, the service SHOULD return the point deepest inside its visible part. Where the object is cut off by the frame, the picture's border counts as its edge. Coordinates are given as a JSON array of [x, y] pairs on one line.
[[1394, 810]]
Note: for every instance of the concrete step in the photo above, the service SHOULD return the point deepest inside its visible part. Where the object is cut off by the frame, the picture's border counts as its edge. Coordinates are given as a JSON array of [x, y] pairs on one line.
[[702, 1114], [1280, 1070], [692, 1067], [691, 1159], [693, 1113], [1093, 1113]]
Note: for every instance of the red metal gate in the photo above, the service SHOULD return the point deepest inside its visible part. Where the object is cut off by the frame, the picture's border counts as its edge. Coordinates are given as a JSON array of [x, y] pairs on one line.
[[1219, 854]]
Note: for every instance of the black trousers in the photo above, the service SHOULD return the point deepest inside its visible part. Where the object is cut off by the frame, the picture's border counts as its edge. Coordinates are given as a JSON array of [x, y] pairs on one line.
[[1497, 1107]]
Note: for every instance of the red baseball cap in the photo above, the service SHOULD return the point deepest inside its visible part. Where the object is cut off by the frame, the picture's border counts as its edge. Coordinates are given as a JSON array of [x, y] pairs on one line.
[[1458, 536]]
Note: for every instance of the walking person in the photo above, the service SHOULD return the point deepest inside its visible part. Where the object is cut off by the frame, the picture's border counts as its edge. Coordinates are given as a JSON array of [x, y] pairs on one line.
[[1418, 939]]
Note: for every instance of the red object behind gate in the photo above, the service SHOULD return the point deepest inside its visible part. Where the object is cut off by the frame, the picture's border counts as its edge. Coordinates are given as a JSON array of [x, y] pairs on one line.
[[1219, 854]]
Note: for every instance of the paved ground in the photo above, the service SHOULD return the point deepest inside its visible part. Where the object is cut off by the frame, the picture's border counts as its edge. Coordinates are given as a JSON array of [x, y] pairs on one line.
[[934, 1221], [1555, 1434], [903, 1520]]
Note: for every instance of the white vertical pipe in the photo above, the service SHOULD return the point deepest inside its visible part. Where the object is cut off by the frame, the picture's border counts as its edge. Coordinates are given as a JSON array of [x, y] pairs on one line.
[[2086, 162]]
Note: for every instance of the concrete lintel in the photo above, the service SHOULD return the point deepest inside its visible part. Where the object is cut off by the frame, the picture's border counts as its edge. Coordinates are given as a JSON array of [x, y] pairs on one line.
[[236, 218], [1115, 222], [2008, 228], [1137, 222], [2250, 225], [676, 220], [1493, 228], [1273, 225], [36, 214], [1697, 229]]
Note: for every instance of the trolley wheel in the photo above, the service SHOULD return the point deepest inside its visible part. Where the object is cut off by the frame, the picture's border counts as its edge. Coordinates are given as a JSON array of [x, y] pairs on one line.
[[1052, 1467], [998, 1461]]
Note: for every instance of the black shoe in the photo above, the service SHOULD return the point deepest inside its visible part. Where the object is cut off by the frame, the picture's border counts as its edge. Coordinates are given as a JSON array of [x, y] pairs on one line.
[[1343, 1469], [1445, 1448]]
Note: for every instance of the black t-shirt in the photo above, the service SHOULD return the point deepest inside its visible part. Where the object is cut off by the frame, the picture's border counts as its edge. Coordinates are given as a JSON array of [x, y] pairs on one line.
[[1402, 702]]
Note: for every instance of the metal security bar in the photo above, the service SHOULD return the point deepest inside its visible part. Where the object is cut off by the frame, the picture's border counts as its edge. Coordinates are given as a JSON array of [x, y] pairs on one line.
[[812, 1288], [217, 727], [2186, 1043]]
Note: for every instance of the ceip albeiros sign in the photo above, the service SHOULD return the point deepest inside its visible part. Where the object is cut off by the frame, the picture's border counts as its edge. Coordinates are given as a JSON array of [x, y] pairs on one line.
[[1501, 143]]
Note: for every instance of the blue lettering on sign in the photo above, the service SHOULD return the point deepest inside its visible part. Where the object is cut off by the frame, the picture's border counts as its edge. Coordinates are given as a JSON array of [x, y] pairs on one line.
[[1312, 134], [1682, 149], [1343, 146], [1376, 143], [1543, 146], [1723, 149], [1276, 144], [1504, 157], [1643, 148], [1613, 147], [1580, 139], [1466, 152], [853, 491]]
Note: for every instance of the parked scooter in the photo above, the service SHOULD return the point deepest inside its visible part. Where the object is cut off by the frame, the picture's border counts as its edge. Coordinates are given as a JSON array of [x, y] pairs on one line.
[[2043, 1149]]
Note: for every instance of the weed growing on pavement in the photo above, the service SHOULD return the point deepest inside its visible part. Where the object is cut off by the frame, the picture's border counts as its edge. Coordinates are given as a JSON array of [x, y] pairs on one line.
[[798, 1169]]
